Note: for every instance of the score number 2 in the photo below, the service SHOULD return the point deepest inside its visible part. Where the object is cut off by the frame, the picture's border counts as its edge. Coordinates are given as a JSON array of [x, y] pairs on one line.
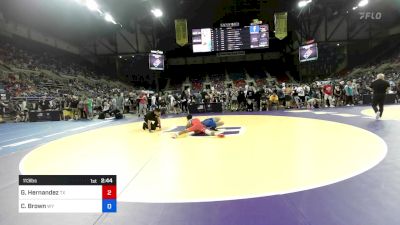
[[109, 192]]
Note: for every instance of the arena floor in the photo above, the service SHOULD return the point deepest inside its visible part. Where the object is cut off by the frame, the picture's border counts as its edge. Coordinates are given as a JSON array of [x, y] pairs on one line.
[[325, 167]]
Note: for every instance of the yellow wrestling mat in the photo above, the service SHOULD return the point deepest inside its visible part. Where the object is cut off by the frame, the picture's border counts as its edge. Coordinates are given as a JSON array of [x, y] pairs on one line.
[[272, 155], [391, 112]]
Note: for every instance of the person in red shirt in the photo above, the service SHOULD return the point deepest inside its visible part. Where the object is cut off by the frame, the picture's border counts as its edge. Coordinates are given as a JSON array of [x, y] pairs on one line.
[[142, 103], [196, 126], [328, 94]]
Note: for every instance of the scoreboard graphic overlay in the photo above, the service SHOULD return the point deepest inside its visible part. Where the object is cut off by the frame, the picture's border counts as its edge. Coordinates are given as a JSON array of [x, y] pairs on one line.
[[67, 194]]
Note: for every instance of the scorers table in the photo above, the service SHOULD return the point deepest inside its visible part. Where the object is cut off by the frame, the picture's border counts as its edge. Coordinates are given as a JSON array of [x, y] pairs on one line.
[[67, 194]]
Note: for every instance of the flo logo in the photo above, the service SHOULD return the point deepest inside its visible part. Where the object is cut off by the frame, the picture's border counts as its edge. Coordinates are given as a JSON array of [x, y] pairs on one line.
[[226, 130], [370, 15], [308, 53]]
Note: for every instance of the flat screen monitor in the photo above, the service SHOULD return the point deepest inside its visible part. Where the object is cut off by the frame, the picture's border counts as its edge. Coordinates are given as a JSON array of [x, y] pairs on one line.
[[308, 52], [156, 61]]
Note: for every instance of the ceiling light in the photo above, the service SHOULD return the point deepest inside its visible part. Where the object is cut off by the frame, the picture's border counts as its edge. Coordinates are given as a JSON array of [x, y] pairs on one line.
[[157, 13], [109, 18], [92, 5], [363, 3], [303, 3]]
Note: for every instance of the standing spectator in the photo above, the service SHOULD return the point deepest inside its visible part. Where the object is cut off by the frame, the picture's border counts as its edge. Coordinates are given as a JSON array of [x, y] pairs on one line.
[[349, 94], [171, 104], [356, 92], [85, 107], [301, 93], [142, 104], [281, 95], [154, 102], [127, 105], [234, 100], [257, 99], [113, 103], [328, 93], [132, 99], [148, 101], [177, 103], [74, 107], [288, 96], [241, 99], [81, 106], [2, 110], [90, 108], [296, 97], [337, 93], [120, 103]]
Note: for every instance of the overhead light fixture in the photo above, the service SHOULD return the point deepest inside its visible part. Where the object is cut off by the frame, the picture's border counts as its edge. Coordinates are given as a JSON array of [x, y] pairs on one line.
[[92, 5], [304, 3], [355, 7], [157, 13], [337, 44], [363, 3], [109, 18], [120, 57], [80, 2]]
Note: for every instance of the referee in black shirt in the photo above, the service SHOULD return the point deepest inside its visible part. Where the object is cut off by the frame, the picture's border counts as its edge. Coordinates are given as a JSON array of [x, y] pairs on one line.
[[152, 120], [379, 87]]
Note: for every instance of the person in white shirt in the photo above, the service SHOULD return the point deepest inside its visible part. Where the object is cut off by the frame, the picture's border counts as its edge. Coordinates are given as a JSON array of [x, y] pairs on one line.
[[153, 102], [106, 107], [301, 92], [114, 102], [171, 104], [120, 103]]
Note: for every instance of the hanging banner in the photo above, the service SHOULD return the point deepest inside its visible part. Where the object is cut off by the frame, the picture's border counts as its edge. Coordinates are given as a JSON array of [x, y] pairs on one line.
[[280, 25], [181, 32]]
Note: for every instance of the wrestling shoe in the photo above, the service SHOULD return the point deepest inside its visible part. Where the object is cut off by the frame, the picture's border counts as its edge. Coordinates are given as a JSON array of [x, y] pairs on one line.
[[377, 115], [221, 135]]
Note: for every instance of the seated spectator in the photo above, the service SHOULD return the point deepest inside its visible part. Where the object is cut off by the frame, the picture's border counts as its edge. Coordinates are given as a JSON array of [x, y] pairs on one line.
[[315, 100]]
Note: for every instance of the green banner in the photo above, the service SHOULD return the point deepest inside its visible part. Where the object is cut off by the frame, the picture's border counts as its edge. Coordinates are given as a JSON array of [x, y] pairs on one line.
[[280, 25], [181, 32]]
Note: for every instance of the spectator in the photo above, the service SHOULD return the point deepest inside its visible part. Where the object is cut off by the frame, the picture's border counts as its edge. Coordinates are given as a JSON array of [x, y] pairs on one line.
[[328, 94], [349, 94], [120, 102], [142, 104]]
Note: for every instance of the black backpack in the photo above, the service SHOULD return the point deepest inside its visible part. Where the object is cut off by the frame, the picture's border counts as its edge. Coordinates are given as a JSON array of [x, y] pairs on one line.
[[119, 116], [101, 116]]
